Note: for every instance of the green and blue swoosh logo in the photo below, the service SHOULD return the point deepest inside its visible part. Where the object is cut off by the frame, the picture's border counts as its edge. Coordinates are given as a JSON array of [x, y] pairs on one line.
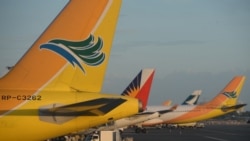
[[78, 52], [230, 94]]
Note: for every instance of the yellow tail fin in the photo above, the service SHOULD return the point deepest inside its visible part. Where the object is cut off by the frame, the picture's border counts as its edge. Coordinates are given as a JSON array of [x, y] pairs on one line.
[[72, 53], [230, 94]]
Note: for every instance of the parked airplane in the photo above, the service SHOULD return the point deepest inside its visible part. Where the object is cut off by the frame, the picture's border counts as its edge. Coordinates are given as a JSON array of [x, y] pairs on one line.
[[55, 87], [140, 89], [223, 103], [190, 100]]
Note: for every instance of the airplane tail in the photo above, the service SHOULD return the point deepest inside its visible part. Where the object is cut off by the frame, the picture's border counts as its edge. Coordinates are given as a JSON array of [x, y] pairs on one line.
[[167, 103], [140, 86], [230, 94], [193, 98], [72, 53]]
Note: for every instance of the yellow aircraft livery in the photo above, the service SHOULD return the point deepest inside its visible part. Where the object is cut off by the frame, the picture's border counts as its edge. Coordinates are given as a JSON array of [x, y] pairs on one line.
[[54, 89], [223, 103]]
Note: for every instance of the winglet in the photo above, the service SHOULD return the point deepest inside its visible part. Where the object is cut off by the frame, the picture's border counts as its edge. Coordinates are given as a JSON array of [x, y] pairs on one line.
[[140, 86]]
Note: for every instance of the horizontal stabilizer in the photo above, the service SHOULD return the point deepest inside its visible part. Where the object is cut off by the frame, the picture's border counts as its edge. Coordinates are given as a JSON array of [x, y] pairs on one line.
[[57, 113], [235, 107], [168, 110], [160, 112]]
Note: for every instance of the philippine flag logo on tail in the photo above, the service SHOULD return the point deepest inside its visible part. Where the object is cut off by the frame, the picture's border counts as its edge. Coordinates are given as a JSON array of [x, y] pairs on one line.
[[77, 52], [140, 86]]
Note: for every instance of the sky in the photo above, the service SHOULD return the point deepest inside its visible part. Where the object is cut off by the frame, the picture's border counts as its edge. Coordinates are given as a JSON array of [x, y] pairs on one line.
[[192, 44]]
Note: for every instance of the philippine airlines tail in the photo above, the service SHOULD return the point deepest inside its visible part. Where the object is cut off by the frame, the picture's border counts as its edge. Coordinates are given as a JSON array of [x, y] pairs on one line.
[[140, 86], [229, 95], [72, 53]]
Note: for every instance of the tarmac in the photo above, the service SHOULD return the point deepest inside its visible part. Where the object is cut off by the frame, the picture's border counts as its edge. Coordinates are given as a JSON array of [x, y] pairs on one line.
[[208, 133]]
